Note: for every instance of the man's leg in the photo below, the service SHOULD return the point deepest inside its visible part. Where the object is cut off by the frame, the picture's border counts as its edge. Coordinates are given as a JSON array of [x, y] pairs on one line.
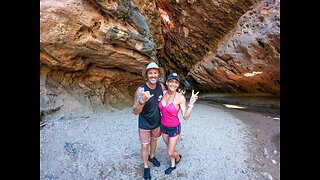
[[153, 146], [155, 133], [145, 154], [144, 136]]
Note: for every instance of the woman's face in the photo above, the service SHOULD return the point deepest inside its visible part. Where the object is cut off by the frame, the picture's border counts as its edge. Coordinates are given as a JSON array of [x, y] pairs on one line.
[[153, 75], [173, 84]]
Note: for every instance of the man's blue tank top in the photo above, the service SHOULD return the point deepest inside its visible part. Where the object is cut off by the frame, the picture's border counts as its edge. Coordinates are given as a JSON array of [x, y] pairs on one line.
[[150, 116]]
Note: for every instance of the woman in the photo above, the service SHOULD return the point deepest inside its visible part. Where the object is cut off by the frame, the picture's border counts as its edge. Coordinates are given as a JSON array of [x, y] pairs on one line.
[[170, 124]]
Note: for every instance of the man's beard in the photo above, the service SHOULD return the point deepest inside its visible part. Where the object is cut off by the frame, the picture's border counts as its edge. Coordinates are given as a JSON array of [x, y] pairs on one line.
[[153, 81]]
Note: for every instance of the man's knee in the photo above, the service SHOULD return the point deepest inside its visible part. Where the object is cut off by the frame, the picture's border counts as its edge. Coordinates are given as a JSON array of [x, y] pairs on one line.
[[145, 146], [154, 139]]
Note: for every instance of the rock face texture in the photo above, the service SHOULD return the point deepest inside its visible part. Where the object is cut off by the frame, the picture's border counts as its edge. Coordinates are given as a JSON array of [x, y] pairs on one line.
[[193, 28], [248, 58], [92, 52], [225, 46]]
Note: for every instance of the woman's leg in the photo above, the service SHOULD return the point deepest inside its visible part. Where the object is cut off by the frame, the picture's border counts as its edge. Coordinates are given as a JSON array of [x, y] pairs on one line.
[[166, 138], [174, 155]]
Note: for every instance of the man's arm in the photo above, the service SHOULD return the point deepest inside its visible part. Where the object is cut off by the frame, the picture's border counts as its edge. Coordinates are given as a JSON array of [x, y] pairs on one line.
[[163, 87], [137, 107]]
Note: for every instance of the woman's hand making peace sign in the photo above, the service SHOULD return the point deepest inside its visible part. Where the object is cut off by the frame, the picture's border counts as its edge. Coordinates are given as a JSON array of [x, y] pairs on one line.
[[193, 98]]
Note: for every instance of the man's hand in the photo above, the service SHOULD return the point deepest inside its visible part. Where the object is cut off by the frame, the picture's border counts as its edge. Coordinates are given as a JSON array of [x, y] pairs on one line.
[[145, 96]]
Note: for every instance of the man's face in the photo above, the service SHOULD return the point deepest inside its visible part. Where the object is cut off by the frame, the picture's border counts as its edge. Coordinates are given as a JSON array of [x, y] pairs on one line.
[[152, 75]]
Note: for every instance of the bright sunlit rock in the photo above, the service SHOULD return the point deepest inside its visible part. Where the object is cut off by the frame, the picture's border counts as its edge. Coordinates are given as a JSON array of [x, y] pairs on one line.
[[233, 106]]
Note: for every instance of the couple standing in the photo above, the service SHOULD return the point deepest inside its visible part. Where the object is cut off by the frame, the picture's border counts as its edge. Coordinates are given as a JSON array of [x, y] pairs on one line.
[[149, 101]]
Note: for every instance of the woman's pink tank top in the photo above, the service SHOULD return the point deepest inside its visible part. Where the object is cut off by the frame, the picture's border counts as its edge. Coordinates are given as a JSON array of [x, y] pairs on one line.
[[169, 113]]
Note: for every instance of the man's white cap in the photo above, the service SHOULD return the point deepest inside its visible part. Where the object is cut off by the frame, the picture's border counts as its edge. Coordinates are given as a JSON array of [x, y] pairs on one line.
[[152, 65]]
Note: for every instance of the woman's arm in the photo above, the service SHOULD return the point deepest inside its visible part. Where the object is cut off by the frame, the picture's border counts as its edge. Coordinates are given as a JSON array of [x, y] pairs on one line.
[[163, 87], [186, 111]]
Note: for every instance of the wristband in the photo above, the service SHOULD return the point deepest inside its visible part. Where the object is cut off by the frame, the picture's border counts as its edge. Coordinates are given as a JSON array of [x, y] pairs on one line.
[[190, 105], [141, 102]]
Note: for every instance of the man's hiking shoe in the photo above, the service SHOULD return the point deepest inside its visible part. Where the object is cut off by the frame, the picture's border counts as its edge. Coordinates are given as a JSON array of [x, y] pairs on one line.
[[146, 174], [179, 159], [169, 170], [154, 161]]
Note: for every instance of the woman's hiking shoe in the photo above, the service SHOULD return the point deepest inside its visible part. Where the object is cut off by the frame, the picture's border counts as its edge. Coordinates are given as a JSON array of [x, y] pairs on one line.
[[169, 170], [146, 174], [179, 159], [154, 161]]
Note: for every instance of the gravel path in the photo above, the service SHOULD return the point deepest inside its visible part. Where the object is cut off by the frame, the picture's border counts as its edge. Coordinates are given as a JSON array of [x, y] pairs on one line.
[[213, 143]]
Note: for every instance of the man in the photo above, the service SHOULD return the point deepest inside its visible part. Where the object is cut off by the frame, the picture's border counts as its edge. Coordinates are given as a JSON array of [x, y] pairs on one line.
[[146, 100]]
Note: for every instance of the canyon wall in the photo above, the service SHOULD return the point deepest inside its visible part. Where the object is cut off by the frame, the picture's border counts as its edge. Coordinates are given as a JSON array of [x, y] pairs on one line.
[[223, 46], [92, 52]]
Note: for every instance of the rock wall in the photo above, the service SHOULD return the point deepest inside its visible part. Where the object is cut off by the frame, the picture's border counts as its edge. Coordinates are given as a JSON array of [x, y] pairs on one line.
[[224, 46], [248, 58], [92, 52], [192, 28]]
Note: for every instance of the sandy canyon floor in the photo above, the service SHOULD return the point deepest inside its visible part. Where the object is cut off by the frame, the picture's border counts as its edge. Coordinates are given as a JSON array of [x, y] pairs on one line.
[[216, 143]]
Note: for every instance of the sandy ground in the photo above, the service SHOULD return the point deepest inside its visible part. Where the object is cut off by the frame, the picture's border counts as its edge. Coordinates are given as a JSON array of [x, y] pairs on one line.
[[216, 143]]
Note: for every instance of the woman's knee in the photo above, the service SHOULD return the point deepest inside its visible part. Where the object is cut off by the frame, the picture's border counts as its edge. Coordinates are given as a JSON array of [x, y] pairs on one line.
[[170, 152]]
